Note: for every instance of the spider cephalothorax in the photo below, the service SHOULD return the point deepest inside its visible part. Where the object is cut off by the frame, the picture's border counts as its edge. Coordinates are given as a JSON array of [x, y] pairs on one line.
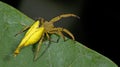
[[39, 30]]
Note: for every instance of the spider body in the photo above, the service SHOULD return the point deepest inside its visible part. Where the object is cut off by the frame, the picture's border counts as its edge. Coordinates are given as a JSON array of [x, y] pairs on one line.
[[40, 29]]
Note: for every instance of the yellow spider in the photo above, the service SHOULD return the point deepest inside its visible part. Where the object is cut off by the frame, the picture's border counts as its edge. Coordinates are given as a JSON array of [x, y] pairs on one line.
[[40, 29]]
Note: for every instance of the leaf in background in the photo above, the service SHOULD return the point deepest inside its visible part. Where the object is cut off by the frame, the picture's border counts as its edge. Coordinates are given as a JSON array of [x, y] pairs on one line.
[[60, 54]]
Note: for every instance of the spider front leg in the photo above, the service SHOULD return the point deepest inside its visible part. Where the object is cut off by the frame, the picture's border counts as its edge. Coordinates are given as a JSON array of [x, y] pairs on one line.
[[62, 16]]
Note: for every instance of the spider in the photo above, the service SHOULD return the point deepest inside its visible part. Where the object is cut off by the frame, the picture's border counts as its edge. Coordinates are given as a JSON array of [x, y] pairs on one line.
[[40, 29]]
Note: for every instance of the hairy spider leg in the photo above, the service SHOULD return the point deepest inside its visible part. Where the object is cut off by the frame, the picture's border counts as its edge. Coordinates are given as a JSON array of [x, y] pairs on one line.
[[69, 33], [59, 32], [62, 16], [47, 35], [26, 28]]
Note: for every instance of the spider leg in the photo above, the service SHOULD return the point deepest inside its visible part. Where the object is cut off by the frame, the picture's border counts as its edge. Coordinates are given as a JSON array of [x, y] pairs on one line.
[[26, 28], [69, 33], [48, 37], [38, 48], [64, 30], [62, 16], [61, 34], [57, 32]]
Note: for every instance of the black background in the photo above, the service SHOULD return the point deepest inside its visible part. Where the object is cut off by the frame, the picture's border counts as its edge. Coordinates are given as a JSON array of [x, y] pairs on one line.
[[100, 20]]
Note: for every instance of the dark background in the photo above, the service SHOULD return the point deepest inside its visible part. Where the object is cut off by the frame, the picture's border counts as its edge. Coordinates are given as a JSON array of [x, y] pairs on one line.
[[98, 22]]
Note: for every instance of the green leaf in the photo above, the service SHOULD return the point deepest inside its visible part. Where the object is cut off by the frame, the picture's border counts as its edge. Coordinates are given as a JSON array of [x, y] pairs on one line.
[[59, 54]]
